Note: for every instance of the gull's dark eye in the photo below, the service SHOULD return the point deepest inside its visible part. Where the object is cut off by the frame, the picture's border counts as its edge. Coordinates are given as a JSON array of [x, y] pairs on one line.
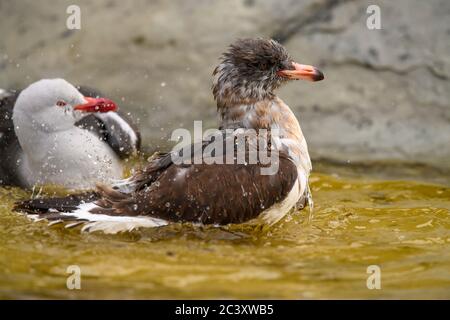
[[61, 103]]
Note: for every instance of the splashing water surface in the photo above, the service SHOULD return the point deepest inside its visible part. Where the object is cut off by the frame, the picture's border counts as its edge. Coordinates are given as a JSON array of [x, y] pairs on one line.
[[359, 220]]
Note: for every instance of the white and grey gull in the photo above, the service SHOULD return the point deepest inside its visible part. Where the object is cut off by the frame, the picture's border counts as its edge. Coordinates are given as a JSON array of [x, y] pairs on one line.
[[51, 133]]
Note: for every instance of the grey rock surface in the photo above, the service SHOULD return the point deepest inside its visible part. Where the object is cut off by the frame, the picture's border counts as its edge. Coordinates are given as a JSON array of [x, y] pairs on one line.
[[386, 95]]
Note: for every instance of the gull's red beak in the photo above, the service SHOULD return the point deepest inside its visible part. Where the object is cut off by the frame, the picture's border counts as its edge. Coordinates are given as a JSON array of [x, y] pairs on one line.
[[96, 105], [302, 72]]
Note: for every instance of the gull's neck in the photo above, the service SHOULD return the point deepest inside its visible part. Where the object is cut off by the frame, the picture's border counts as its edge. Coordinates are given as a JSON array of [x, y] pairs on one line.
[[270, 113]]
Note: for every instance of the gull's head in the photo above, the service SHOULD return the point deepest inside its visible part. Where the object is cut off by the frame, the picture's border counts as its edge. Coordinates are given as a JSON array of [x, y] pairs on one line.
[[54, 105], [251, 69]]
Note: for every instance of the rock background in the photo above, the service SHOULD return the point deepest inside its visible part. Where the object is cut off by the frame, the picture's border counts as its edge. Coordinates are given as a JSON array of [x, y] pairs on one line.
[[386, 95]]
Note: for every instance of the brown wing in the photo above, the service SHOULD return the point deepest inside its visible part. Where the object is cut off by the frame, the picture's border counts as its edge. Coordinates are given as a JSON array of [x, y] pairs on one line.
[[210, 194]]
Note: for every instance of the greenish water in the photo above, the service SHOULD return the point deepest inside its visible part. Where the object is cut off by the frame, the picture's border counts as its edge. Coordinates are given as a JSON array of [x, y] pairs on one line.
[[361, 218]]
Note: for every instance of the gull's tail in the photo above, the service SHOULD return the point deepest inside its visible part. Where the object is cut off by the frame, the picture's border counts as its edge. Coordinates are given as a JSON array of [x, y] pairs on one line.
[[83, 209]]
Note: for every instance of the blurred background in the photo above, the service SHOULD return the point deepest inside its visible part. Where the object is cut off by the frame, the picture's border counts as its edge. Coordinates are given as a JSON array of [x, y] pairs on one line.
[[385, 97]]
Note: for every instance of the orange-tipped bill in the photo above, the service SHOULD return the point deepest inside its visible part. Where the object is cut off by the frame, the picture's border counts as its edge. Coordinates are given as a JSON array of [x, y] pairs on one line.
[[302, 72], [96, 105]]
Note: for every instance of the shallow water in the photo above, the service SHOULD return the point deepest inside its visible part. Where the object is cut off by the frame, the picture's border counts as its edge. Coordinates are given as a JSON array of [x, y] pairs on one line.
[[400, 225]]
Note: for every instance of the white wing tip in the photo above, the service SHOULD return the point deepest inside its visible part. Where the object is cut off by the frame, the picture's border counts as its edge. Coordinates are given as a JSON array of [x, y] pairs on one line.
[[101, 222]]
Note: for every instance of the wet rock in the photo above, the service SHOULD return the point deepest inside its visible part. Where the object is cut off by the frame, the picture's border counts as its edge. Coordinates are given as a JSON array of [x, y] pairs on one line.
[[386, 94]]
